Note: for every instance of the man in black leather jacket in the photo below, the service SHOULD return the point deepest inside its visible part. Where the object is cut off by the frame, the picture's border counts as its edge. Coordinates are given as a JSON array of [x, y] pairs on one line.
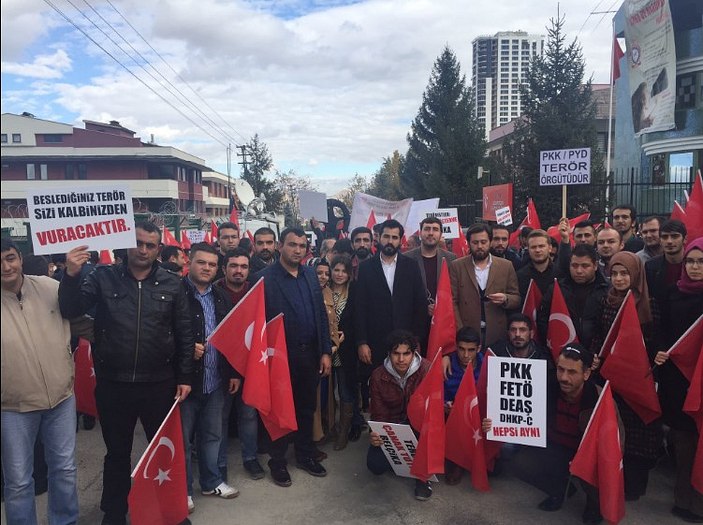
[[143, 351]]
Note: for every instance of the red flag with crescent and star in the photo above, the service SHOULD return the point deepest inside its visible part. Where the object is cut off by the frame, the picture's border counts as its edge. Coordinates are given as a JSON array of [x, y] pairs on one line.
[[533, 298], [256, 391], [693, 406], [84, 385], [159, 495], [561, 330], [169, 239], [443, 328]]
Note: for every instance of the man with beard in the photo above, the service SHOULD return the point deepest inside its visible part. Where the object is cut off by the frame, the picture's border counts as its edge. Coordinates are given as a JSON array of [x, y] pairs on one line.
[[520, 343], [483, 287], [664, 270], [500, 248], [390, 296], [264, 250], [362, 239], [625, 221], [540, 268]]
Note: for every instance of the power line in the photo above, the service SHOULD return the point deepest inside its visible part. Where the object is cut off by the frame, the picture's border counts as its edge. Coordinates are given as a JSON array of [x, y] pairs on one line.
[[589, 16], [609, 10]]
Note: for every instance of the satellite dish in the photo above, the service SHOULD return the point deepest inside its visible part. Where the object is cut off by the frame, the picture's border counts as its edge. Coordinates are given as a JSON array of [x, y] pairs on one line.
[[243, 191]]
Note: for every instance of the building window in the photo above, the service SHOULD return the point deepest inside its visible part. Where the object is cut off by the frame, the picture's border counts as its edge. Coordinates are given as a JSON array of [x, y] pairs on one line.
[[31, 174], [686, 91], [68, 172], [82, 172], [44, 172], [53, 139], [3, 138], [16, 138]]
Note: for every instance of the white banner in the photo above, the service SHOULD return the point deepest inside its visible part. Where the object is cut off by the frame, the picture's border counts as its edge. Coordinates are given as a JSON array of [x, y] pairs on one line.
[[313, 205], [195, 236], [651, 55], [417, 213], [517, 400], [98, 216], [382, 209], [565, 166], [399, 444], [450, 221]]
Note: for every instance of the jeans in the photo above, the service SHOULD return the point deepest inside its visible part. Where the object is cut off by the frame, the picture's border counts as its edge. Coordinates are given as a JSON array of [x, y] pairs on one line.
[[248, 424], [57, 428], [201, 417], [222, 453]]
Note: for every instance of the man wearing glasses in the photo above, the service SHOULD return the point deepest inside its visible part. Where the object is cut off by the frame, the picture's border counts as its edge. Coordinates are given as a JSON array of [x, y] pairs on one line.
[[143, 351]]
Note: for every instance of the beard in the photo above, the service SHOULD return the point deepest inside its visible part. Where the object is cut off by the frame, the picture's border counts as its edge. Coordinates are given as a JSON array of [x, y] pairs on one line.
[[389, 250], [479, 255], [265, 254], [363, 252]]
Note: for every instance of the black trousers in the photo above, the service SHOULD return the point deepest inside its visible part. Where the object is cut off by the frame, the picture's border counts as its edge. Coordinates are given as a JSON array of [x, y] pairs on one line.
[[304, 376], [120, 405]]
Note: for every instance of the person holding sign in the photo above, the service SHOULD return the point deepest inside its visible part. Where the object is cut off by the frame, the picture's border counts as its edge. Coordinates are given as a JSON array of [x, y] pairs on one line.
[[520, 343], [391, 386]]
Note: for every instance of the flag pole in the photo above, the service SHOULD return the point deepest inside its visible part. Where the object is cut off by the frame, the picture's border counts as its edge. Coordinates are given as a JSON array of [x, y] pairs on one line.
[[610, 129]]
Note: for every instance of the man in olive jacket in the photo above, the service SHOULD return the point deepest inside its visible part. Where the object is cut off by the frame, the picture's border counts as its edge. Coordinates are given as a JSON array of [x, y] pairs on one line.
[[143, 351]]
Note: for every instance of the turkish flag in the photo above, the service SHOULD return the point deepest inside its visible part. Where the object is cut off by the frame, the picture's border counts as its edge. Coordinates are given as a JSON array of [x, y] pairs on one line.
[[213, 230], [281, 418], [251, 238], [207, 238], [460, 246], [531, 220], [84, 385], [617, 55], [687, 349], [693, 406], [491, 448], [598, 460], [234, 217], [443, 328], [561, 330], [105, 257], [371, 221], [234, 336], [678, 213], [426, 414], [169, 239], [694, 210], [464, 437], [185, 240], [627, 364], [532, 301], [553, 231], [256, 391], [159, 495]]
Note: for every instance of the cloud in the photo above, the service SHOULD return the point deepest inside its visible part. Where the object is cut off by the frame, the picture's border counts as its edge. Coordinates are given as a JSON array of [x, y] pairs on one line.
[[43, 66]]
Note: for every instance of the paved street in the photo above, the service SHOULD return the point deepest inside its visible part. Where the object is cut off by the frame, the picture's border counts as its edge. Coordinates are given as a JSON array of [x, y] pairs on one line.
[[350, 495]]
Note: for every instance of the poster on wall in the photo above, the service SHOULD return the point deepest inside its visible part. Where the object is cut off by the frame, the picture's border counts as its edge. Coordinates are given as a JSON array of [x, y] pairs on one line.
[[651, 55]]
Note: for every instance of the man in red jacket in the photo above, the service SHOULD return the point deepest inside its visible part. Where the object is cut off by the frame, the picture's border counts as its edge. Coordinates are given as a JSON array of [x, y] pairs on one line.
[[391, 386]]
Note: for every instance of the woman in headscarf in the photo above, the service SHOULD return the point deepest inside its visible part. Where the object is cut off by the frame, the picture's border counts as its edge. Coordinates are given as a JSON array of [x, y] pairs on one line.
[[683, 308], [643, 443]]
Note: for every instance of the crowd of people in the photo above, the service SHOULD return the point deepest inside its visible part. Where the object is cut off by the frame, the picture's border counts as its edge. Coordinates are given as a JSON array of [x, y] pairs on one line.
[[357, 317]]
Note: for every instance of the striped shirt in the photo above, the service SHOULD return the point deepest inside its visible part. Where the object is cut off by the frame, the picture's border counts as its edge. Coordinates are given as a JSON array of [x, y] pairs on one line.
[[211, 359]]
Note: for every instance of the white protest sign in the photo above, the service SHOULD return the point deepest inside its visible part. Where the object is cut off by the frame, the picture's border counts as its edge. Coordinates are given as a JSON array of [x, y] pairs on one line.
[[313, 204], [98, 216], [450, 221], [565, 166], [503, 216], [399, 444], [195, 236], [382, 209], [517, 400], [417, 213]]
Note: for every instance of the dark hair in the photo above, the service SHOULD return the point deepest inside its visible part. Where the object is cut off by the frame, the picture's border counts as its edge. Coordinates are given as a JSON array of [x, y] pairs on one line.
[[392, 224], [35, 265], [226, 226], [170, 251], [495, 227], [344, 246], [343, 259], [479, 227], [61, 257], [578, 352], [585, 224], [520, 318], [298, 232], [466, 334], [585, 250], [553, 242], [401, 337], [323, 262], [265, 230], [431, 220], [673, 226], [651, 218], [236, 252], [525, 231], [377, 228], [202, 247], [630, 208], [9, 244], [94, 257], [245, 244], [172, 267], [149, 227], [360, 229], [119, 252]]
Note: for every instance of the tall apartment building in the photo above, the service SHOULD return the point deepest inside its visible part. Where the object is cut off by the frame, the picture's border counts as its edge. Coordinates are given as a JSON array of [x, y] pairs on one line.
[[499, 65]]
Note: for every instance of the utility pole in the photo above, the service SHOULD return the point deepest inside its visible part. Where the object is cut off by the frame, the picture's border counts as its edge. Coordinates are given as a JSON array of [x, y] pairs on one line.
[[243, 154], [229, 176]]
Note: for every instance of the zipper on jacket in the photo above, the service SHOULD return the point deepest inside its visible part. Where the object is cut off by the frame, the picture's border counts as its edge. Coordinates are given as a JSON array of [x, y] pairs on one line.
[[139, 329]]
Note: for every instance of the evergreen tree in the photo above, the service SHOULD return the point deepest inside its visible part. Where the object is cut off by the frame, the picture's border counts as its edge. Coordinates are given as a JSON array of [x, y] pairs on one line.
[[445, 143], [356, 184], [258, 163], [386, 181], [559, 112]]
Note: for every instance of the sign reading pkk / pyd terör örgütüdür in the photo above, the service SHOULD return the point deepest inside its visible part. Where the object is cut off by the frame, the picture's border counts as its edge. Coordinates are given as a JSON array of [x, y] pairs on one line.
[[564, 167]]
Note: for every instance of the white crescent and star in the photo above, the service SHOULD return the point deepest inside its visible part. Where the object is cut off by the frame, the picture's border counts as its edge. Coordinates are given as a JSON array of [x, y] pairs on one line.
[[566, 321], [163, 474]]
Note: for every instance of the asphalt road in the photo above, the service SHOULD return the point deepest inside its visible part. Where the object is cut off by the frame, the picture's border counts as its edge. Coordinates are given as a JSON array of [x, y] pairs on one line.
[[350, 494]]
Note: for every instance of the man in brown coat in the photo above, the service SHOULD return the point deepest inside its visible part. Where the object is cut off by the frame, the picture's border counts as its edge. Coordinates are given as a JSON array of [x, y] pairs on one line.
[[484, 288]]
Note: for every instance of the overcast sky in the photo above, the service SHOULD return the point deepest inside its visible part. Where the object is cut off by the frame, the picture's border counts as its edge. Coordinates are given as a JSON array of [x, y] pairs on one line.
[[331, 86]]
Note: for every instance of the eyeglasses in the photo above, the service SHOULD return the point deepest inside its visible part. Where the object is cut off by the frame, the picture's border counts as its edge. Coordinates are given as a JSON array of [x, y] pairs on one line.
[[693, 262]]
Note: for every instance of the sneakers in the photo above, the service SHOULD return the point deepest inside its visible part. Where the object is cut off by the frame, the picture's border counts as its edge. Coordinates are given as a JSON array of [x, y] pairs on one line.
[[312, 467], [222, 490], [191, 505], [551, 504], [423, 490], [280, 475], [254, 469]]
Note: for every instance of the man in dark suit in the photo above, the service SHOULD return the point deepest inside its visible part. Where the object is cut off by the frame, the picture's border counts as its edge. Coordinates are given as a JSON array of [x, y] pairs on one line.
[[292, 289], [390, 295]]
